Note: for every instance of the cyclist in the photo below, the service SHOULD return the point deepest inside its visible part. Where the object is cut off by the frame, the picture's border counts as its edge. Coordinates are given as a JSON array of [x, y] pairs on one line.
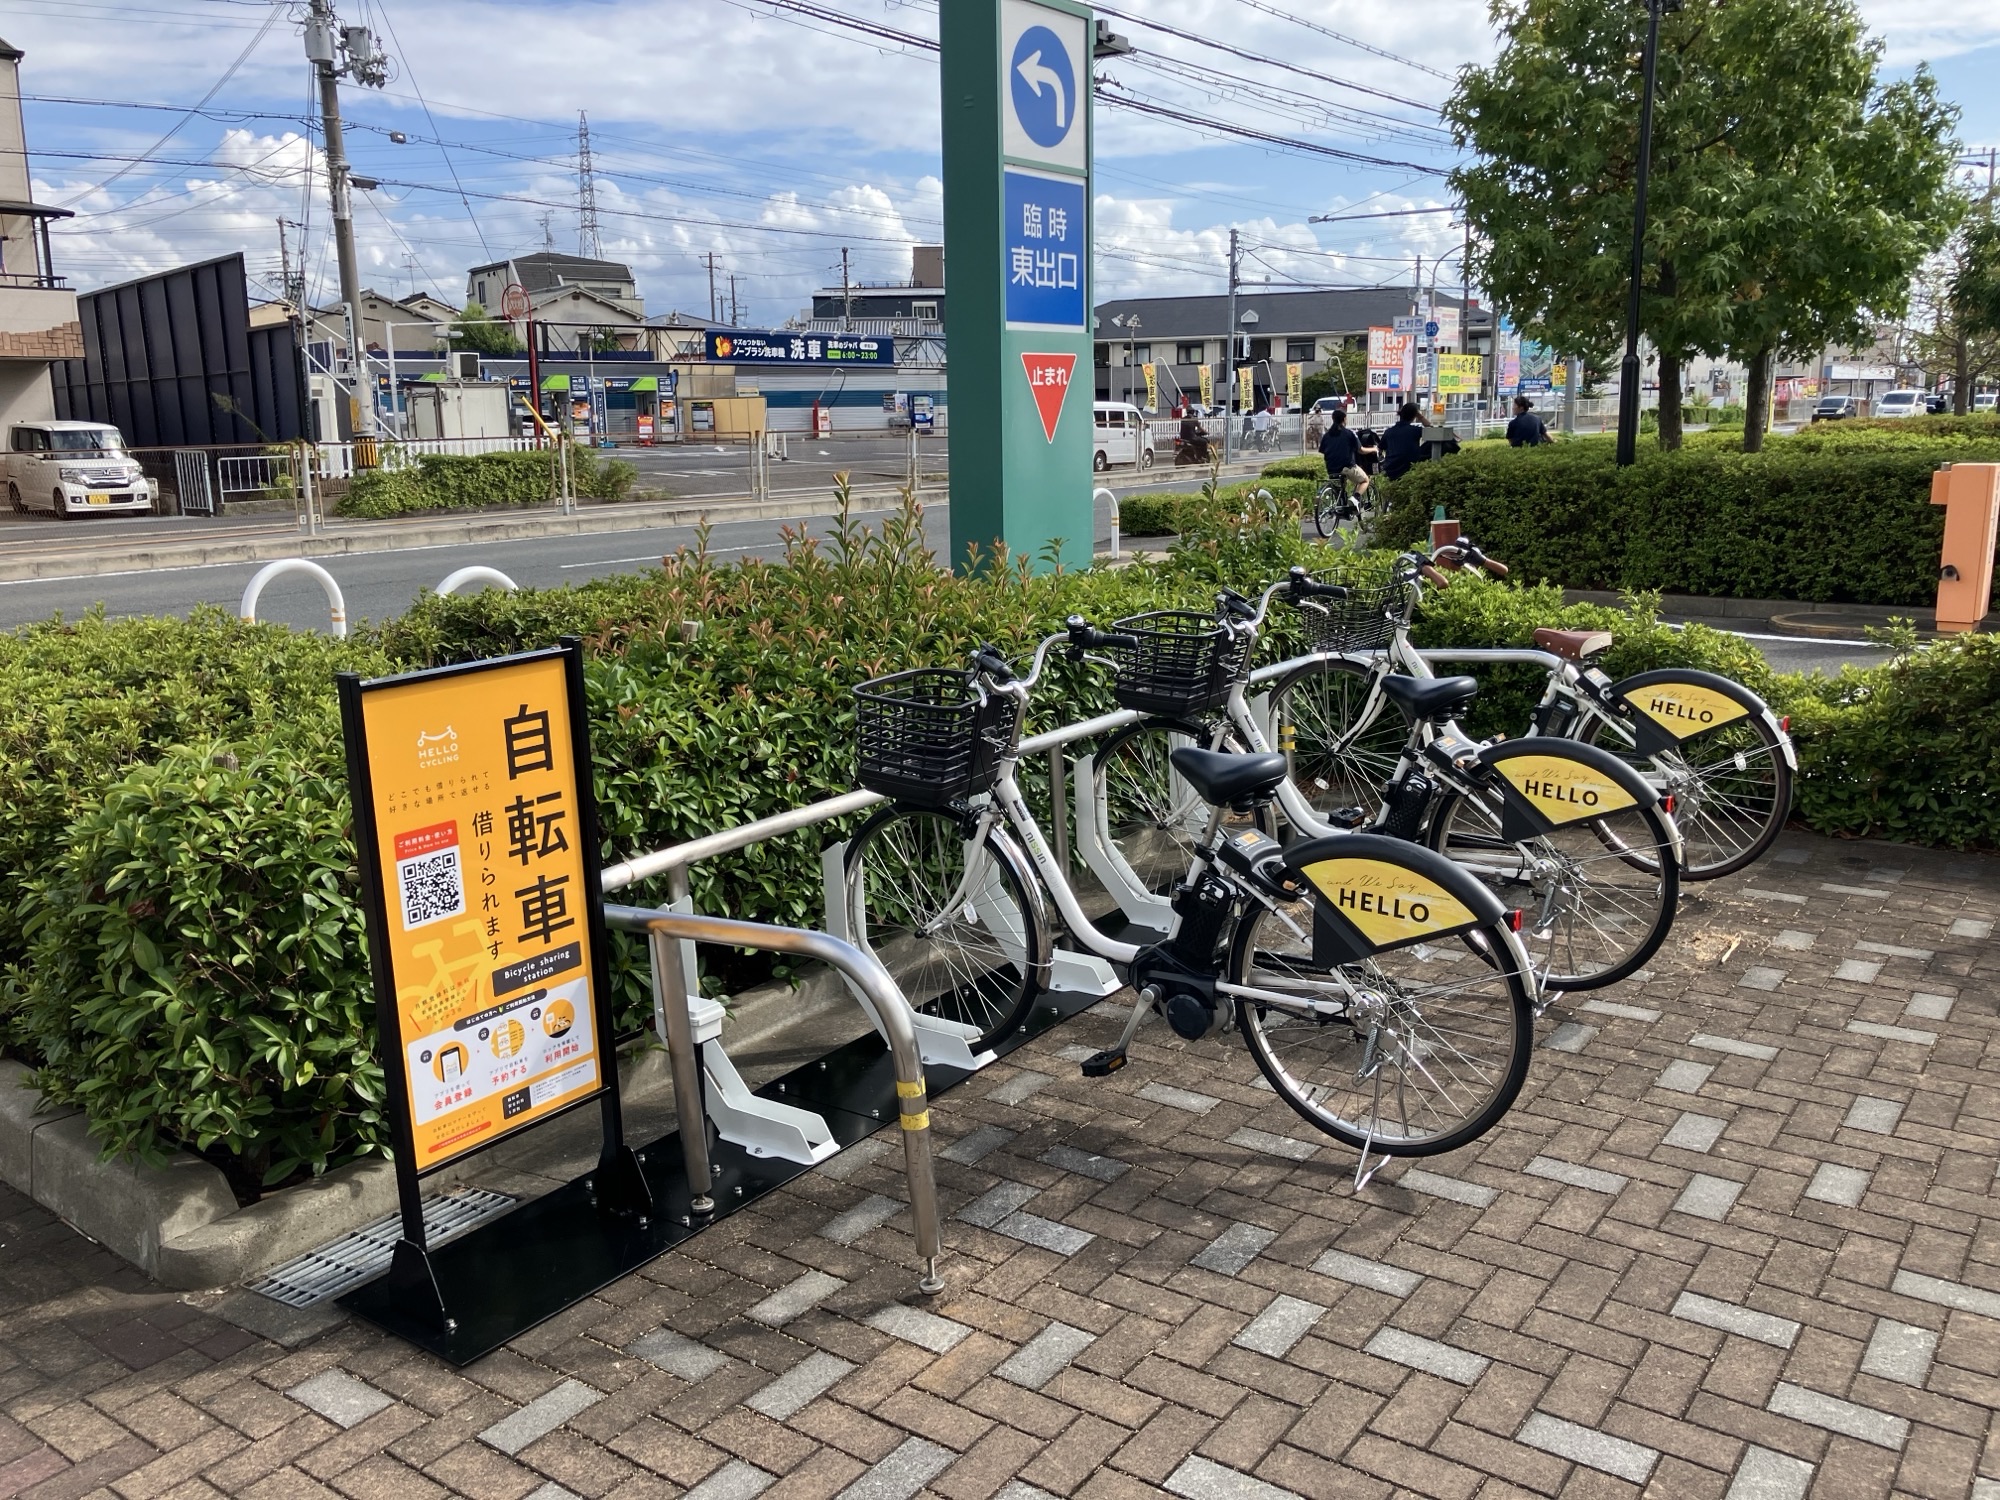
[[1526, 430], [1342, 452], [1403, 444]]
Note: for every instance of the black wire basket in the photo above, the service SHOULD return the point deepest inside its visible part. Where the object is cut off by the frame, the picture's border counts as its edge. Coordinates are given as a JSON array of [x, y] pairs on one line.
[[925, 737], [1184, 663], [1365, 620]]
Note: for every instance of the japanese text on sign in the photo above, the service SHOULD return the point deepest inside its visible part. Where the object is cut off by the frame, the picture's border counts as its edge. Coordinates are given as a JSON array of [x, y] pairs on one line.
[[480, 849], [1043, 228], [801, 348]]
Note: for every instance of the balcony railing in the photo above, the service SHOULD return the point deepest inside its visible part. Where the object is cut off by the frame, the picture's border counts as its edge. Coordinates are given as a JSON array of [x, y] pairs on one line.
[[34, 279]]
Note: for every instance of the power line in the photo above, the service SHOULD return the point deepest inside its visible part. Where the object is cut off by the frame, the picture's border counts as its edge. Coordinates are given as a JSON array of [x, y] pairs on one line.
[[417, 88], [1126, 100], [1408, 62]]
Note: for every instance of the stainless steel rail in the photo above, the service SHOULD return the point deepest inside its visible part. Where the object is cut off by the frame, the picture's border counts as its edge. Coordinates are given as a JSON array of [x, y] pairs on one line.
[[668, 929]]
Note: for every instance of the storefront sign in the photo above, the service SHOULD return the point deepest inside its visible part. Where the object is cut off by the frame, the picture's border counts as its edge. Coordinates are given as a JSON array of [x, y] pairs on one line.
[[1458, 374], [1391, 359]]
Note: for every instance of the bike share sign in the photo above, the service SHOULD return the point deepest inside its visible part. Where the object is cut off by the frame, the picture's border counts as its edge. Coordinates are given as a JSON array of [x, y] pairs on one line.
[[478, 844], [1016, 85]]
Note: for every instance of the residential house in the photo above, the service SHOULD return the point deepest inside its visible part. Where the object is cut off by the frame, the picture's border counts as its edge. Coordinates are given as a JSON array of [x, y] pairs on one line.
[[38, 311]]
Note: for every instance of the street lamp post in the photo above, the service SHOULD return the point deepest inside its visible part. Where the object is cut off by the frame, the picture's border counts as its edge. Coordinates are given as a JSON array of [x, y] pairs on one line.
[[1628, 368]]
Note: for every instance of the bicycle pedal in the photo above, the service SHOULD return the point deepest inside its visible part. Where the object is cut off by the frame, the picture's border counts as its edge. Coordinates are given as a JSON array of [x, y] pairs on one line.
[[1103, 1064], [1348, 818]]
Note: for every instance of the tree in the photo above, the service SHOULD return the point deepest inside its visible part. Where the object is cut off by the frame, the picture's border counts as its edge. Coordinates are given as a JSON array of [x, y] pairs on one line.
[[1744, 88], [1955, 324], [486, 335], [1344, 374]]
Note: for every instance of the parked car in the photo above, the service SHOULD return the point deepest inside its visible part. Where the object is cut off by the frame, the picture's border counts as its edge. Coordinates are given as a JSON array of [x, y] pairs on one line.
[[1329, 404], [1122, 436], [1833, 408], [1901, 403], [74, 469], [1938, 403], [1985, 400]]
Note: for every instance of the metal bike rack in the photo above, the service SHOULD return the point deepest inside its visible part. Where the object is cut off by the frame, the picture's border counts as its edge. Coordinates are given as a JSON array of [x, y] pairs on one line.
[[669, 932], [456, 581], [336, 605]]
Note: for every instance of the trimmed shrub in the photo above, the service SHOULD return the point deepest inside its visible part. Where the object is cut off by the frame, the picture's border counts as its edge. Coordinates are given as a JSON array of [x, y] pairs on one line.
[[458, 481], [1168, 512], [1820, 522]]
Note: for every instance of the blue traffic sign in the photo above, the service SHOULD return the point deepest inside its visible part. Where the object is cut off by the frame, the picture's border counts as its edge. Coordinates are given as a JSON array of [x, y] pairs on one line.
[[1044, 235], [1431, 329], [1043, 86]]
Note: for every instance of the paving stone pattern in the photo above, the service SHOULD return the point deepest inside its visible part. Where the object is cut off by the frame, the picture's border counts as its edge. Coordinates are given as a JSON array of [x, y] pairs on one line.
[[1739, 1239]]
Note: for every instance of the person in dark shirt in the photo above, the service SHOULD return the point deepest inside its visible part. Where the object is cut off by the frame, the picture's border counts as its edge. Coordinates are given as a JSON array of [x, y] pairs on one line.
[[1342, 452], [1526, 430], [1403, 444]]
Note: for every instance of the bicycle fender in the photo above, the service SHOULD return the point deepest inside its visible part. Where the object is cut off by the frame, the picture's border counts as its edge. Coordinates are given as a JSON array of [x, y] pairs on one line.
[[1372, 894], [1548, 783], [1668, 705]]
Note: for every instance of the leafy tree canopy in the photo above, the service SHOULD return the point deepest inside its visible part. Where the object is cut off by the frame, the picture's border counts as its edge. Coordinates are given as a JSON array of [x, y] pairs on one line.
[[484, 334]]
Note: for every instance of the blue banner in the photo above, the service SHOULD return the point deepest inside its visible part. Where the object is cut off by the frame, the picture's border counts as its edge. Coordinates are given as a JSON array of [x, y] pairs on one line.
[[1044, 233], [800, 348]]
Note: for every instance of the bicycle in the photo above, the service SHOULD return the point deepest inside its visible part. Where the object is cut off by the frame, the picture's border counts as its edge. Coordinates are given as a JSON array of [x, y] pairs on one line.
[[1562, 829], [1381, 990], [1710, 744], [1337, 504]]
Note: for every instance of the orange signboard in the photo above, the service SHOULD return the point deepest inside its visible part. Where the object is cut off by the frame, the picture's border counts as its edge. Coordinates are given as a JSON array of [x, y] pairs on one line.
[[479, 853]]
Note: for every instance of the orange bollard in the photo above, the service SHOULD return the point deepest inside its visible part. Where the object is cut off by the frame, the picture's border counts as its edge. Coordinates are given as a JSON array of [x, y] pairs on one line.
[[1970, 495]]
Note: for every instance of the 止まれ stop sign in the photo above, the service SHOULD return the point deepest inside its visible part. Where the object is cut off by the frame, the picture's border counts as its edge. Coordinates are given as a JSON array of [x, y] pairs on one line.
[[1048, 381]]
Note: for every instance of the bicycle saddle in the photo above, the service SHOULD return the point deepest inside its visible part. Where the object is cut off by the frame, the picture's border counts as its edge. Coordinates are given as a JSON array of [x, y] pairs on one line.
[[1431, 698], [1219, 777], [1573, 645]]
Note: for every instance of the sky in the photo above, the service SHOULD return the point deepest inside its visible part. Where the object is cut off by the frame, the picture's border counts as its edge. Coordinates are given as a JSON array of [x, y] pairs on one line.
[[767, 137]]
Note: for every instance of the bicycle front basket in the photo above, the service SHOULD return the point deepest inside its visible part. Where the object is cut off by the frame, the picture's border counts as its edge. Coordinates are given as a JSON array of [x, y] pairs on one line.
[[926, 738], [1184, 662], [1364, 621]]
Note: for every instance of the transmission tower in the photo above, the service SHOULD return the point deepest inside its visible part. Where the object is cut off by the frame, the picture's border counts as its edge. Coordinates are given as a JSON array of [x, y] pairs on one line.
[[548, 232], [587, 242]]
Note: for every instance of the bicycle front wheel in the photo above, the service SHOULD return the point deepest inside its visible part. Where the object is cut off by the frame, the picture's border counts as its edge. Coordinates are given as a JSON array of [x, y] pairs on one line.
[[1597, 898], [1326, 511], [1418, 1049], [1151, 818], [1731, 785], [1342, 737], [967, 945]]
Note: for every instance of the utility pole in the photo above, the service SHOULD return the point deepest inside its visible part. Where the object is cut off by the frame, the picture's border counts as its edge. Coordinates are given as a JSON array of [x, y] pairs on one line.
[[735, 307], [710, 258], [587, 241], [325, 41], [1229, 363], [1628, 368], [846, 296]]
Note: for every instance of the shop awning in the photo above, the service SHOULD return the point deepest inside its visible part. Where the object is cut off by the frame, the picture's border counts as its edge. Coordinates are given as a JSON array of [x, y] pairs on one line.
[[555, 382], [646, 383]]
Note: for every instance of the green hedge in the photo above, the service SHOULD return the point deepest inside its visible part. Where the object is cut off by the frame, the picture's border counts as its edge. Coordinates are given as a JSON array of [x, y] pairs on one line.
[[1170, 512], [1826, 521], [180, 946], [457, 481]]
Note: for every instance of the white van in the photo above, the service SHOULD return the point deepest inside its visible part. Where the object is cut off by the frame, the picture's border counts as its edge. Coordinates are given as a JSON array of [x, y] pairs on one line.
[[1122, 436], [73, 469], [1902, 403]]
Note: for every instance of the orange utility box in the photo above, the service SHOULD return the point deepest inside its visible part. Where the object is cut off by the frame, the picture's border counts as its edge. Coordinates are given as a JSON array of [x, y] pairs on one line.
[[1970, 495]]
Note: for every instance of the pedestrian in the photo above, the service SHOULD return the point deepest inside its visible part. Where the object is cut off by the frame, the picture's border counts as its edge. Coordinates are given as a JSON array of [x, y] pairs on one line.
[[1342, 452], [1260, 427], [1527, 430], [1403, 443]]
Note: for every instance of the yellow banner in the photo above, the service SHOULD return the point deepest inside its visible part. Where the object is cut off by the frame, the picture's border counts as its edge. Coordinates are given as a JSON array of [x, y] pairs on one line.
[[1564, 790], [1152, 386], [1246, 388], [1207, 385], [1293, 380], [1387, 903], [1685, 708], [480, 857], [1458, 374]]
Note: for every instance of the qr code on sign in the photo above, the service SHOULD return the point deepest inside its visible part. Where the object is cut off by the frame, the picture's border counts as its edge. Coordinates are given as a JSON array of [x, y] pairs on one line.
[[432, 887]]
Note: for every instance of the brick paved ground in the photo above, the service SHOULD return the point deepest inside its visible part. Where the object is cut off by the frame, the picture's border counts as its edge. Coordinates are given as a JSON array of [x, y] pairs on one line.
[[1739, 1238]]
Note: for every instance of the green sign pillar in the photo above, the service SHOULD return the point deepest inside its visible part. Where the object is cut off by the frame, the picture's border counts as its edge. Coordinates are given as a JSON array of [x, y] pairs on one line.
[[1016, 95]]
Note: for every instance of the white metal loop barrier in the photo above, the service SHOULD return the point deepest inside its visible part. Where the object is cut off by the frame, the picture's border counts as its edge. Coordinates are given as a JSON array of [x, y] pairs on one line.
[[456, 581], [1100, 493], [335, 603]]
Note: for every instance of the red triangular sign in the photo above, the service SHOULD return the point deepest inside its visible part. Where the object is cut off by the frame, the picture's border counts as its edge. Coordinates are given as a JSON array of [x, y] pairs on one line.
[[1048, 378]]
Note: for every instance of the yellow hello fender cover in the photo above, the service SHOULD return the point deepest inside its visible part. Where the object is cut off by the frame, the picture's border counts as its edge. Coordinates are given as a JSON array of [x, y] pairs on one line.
[[1376, 893], [1548, 783], [1674, 704]]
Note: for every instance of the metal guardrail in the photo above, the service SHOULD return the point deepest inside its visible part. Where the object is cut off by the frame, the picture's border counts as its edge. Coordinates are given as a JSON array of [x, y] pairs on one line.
[[455, 581]]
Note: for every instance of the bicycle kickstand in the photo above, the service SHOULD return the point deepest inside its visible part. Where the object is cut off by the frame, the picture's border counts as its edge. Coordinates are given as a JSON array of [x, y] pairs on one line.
[[1104, 1064]]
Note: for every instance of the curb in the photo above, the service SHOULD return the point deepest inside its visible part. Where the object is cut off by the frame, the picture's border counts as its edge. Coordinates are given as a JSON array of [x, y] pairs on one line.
[[180, 1223]]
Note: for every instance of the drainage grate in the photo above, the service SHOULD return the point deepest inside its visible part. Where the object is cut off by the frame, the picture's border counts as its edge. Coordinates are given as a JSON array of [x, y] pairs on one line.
[[323, 1274]]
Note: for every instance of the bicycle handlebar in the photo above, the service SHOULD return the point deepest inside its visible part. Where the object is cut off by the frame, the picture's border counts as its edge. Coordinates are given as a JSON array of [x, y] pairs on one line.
[[1302, 585], [1465, 553], [988, 659], [1229, 602]]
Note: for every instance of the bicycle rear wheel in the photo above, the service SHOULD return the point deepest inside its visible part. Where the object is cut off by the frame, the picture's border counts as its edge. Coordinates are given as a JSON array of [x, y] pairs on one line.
[[1342, 746], [1421, 1048], [1151, 817], [971, 951], [1328, 503], [1731, 785], [1597, 898]]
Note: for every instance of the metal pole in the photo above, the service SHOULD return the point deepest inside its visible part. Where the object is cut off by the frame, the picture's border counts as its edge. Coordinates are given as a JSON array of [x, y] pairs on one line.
[[1572, 390], [395, 399], [1628, 368], [1059, 807], [670, 1001], [1229, 362], [341, 192]]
